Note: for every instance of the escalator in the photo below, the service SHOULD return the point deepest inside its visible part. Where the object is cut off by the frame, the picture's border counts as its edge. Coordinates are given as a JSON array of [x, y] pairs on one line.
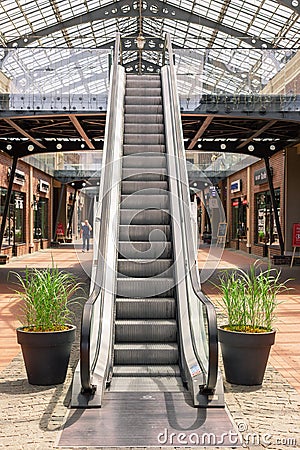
[[146, 325], [145, 328]]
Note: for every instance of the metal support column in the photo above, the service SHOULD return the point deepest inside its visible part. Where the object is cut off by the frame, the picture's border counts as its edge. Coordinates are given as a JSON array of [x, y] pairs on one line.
[[62, 191], [8, 197], [275, 211], [71, 213]]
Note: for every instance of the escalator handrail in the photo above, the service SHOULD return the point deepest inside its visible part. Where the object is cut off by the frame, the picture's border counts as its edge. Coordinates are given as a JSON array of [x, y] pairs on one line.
[[97, 292], [212, 373]]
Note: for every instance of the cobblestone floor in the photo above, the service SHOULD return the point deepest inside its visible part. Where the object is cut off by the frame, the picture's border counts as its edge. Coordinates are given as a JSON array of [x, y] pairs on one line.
[[32, 416]]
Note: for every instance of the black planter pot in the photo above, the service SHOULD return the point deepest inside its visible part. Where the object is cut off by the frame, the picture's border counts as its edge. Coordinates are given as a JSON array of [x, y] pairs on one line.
[[46, 354], [245, 355]]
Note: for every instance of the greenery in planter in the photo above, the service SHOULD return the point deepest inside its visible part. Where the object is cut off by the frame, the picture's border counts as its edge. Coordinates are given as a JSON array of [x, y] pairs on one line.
[[47, 297], [249, 298]]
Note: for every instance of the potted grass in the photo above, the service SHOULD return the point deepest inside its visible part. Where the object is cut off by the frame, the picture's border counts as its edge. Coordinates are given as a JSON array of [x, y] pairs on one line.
[[249, 299], [46, 336]]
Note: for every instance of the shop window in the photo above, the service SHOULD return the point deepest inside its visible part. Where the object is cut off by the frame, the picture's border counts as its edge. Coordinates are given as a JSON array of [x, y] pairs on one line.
[[14, 232], [40, 218], [239, 218], [265, 229]]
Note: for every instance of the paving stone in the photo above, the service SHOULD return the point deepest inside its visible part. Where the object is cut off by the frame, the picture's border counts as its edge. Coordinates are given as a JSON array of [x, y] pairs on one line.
[[31, 417]]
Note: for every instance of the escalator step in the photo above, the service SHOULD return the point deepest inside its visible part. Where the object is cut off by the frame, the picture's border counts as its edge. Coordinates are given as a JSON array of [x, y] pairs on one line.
[[143, 371], [151, 384], [145, 287], [131, 149], [144, 217], [149, 330], [140, 353], [140, 201], [150, 187], [144, 233], [145, 250], [143, 100], [138, 79], [142, 91], [145, 268], [135, 174], [143, 128], [145, 160], [144, 139], [143, 109], [143, 118], [154, 83], [147, 308]]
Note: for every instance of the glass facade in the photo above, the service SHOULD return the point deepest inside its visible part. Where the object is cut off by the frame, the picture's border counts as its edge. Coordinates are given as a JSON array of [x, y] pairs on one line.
[[40, 218], [239, 218], [14, 232], [265, 226]]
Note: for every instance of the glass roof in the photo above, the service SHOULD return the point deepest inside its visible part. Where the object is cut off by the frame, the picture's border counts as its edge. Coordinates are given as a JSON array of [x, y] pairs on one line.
[[230, 41]]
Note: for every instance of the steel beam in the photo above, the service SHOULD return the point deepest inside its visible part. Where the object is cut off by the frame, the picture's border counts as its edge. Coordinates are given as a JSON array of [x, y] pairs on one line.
[[122, 9], [289, 4], [24, 133], [81, 131], [256, 134], [200, 132], [8, 197], [71, 214]]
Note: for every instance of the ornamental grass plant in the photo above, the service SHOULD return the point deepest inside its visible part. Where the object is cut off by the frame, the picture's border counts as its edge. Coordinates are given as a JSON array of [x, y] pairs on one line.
[[249, 298], [47, 295]]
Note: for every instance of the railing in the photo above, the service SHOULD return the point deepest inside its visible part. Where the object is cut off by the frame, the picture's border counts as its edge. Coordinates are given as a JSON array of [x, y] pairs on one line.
[[96, 334], [188, 248], [68, 79]]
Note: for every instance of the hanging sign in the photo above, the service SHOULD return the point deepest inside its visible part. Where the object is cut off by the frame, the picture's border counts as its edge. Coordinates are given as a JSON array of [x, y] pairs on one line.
[[260, 176]]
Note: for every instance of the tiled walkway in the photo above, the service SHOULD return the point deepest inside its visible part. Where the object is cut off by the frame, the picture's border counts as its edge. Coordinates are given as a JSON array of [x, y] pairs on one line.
[[31, 416], [65, 257]]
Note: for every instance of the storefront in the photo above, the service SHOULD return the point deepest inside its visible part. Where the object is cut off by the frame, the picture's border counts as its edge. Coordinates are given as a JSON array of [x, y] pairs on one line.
[[265, 226], [14, 232], [250, 213]]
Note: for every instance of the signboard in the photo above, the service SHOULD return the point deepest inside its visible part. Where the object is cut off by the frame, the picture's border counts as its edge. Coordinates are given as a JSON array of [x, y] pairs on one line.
[[44, 186], [296, 235], [213, 203], [235, 186], [260, 176], [222, 230], [295, 240], [19, 177]]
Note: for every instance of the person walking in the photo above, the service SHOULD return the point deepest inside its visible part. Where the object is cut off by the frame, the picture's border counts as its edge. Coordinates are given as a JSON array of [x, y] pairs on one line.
[[85, 234]]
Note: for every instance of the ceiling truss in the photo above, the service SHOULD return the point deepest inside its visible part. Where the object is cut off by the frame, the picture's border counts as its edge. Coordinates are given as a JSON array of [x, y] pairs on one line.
[[212, 133]]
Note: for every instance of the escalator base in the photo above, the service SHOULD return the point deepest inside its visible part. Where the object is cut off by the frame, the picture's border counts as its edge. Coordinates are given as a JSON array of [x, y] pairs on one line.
[[149, 419], [146, 384]]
